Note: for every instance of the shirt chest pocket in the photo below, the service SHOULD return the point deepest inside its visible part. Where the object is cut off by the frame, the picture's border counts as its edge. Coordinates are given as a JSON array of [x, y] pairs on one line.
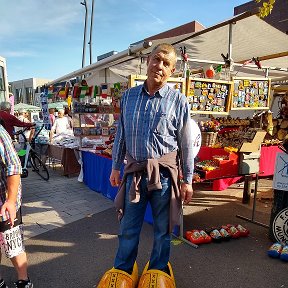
[[162, 125]]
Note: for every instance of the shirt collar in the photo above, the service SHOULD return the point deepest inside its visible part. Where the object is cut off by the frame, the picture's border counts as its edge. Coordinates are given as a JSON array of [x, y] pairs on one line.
[[161, 92]]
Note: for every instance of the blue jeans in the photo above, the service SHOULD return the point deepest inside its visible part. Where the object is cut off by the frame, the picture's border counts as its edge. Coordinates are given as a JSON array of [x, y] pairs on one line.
[[131, 224]]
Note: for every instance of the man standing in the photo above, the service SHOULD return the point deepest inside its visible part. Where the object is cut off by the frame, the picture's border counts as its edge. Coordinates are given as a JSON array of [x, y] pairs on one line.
[[10, 202], [154, 132]]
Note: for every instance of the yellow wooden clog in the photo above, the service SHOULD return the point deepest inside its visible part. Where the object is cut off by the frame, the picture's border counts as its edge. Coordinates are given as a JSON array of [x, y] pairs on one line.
[[115, 278], [153, 278]]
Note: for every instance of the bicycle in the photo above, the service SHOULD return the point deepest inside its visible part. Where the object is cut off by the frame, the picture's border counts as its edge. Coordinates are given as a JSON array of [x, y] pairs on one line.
[[32, 157]]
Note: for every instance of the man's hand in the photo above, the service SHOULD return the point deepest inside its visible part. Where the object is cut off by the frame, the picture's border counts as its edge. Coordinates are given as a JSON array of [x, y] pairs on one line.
[[115, 178], [9, 210], [186, 191]]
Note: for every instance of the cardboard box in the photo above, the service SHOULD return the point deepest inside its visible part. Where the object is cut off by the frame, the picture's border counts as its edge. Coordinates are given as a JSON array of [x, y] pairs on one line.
[[255, 145]]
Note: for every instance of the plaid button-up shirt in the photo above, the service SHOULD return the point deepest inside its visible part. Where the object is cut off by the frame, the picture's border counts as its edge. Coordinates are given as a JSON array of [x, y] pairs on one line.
[[9, 165], [152, 126]]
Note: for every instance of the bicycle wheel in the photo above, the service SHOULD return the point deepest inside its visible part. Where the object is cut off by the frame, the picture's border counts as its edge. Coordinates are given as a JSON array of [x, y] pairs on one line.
[[39, 167]]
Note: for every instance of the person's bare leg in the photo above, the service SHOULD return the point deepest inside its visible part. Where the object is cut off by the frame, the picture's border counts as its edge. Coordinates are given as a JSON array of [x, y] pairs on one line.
[[20, 264]]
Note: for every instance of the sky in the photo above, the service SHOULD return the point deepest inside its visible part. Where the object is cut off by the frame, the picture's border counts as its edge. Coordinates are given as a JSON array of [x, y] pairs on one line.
[[44, 38]]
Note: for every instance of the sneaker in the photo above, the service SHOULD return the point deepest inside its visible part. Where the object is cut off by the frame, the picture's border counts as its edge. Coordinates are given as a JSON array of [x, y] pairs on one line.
[[283, 255], [3, 284], [275, 250], [24, 284]]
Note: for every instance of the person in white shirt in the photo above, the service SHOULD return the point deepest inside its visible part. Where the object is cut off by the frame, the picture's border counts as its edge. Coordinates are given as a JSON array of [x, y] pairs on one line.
[[61, 125]]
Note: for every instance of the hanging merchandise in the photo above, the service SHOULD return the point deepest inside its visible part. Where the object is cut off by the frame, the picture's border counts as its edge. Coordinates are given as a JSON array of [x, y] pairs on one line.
[[104, 90], [76, 91], [63, 92], [209, 71], [69, 101], [184, 55], [219, 69], [83, 91], [96, 91], [50, 92], [226, 59], [257, 62]]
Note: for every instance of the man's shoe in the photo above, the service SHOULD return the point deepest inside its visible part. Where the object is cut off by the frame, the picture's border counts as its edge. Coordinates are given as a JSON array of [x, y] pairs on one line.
[[24, 284], [119, 278], [157, 278], [3, 284]]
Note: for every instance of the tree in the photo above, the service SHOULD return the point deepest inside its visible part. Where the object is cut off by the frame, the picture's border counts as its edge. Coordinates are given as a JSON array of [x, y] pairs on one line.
[[266, 8]]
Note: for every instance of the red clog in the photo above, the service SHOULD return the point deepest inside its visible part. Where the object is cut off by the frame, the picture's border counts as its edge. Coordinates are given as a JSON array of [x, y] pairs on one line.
[[243, 231], [194, 237], [206, 237], [232, 230]]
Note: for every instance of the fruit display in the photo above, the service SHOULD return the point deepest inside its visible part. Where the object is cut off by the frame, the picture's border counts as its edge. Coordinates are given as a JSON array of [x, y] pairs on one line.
[[229, 121], [209, 126], [207, 165]]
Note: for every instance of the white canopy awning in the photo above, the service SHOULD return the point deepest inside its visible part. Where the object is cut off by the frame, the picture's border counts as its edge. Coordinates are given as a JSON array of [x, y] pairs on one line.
[[250, 37]]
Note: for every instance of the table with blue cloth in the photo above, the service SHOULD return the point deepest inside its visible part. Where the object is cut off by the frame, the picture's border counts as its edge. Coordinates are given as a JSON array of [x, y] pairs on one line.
[[96, 173]]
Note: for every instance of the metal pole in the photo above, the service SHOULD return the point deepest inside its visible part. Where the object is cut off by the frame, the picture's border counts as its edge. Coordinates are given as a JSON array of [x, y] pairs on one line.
[[91, 29], [84, 3], [231, 68]]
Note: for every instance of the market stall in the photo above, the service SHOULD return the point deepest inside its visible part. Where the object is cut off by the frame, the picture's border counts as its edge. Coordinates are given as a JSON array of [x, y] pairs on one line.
[[219, 84], [68, 157]]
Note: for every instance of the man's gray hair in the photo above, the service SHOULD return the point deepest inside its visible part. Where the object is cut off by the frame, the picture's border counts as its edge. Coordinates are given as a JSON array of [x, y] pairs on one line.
[[6, 105]]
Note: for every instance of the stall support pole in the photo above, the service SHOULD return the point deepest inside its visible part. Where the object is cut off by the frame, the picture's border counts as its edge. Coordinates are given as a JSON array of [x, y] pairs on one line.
[[181, 235], [254, 207], [247, 189]]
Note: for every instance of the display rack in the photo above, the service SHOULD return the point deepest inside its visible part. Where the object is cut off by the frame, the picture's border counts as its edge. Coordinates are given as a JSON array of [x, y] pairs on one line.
[[251, 93], [209, 96]]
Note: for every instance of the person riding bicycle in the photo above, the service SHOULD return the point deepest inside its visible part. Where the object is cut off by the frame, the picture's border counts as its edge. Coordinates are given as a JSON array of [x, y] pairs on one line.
[[10, 120]]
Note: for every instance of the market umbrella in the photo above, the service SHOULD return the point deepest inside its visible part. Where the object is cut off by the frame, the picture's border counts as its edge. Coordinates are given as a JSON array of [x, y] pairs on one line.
[[58, 105], [27, 107]]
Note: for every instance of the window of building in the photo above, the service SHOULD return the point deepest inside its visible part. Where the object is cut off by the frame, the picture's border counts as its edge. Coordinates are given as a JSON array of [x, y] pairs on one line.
[[29, 95], [18, 96], [2, 84]]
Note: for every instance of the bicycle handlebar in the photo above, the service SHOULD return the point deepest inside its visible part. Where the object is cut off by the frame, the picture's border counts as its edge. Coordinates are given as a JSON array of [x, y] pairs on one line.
[[24, 129], [21, 132]]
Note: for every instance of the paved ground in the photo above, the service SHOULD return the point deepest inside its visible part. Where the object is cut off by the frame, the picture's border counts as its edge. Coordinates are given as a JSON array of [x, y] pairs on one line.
[[71, 238]]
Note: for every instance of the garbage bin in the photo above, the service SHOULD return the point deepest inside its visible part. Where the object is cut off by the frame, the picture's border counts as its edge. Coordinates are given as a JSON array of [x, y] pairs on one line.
[[278, 229]]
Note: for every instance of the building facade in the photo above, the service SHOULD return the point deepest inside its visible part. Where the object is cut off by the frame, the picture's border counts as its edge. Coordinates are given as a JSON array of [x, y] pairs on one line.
[[278, 18], [24, 90]]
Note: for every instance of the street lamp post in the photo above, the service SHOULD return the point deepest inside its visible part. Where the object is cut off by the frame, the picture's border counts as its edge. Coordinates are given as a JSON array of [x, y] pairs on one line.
[[91, 29], [84, 3]]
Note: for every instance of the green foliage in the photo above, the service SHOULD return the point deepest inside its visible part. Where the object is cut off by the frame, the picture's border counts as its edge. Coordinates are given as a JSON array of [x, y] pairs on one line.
[[266, 7]]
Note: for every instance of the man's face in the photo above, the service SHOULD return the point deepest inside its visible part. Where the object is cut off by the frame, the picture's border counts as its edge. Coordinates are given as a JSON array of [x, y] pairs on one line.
[[161, 65]]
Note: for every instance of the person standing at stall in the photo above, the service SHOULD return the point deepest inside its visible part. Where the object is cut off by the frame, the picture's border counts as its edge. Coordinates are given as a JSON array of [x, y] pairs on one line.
[[62, 125], [52, 116], [154, 134]]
